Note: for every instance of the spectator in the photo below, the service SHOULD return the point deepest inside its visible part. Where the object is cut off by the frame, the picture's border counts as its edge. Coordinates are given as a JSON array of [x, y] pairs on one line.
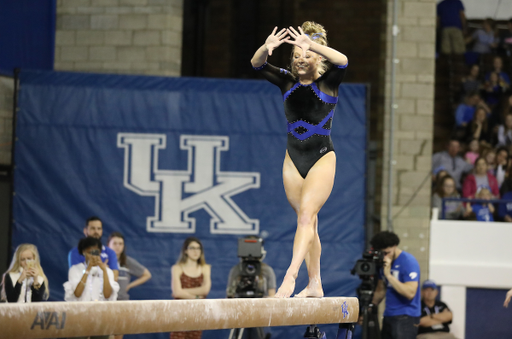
[[92, 279], [501, 167], [128, 267], [437, 175], [504, 108], [503, 78], [94, 228], [494, 88], [452, 22], [451, 162], [465, 111], [506, 40], [471, 83], [399, 284], [435, 314], [480, 178], [505, 208], [505, 132], [490, 156], [484, 38], [24, 281], [266, 283], [190, 278], [482, 211], [478, 129], [473, 153], [453, 210]]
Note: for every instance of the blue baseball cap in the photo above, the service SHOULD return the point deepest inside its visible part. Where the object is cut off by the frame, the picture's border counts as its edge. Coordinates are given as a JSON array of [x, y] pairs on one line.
[[429, 284]]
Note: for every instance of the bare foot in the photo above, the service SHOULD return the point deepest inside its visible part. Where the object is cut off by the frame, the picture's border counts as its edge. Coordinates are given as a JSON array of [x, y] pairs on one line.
[[313, 290], [287, 287]]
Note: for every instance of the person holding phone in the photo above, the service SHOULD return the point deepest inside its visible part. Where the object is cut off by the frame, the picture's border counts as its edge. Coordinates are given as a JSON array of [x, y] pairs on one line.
[[92, 279], [25, 281]]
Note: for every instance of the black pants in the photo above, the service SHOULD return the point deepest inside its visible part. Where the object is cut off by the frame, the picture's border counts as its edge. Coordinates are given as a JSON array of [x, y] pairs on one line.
[[400, 327]]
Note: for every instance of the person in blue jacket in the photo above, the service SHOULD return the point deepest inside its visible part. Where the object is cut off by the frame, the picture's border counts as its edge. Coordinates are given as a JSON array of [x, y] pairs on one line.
[[94, 228]]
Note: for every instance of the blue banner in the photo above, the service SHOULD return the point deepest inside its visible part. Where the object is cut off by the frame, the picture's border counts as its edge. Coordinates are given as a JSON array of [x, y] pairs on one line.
[[159, 159]]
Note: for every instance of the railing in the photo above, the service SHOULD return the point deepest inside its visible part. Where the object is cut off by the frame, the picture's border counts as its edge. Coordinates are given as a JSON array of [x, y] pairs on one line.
[[482, 201]]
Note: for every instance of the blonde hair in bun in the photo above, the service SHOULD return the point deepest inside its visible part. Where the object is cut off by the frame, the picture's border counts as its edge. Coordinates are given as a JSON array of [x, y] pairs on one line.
[[318, 34]]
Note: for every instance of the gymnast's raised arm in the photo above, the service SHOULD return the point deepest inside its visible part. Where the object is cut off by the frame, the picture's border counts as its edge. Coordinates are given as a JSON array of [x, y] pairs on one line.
[[273, 41]]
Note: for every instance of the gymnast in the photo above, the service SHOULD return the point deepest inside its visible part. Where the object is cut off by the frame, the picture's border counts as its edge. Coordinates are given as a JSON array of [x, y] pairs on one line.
[[310, 94]]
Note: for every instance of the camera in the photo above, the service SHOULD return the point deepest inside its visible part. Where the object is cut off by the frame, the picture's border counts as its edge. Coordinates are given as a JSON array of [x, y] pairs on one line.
[[369, 265], [250, 283], [95, 252], [368, 269]]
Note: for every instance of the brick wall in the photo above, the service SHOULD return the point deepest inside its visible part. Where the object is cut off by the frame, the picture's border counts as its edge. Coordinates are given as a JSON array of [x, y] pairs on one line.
[[119, 36], [6, 103], [413, 125]]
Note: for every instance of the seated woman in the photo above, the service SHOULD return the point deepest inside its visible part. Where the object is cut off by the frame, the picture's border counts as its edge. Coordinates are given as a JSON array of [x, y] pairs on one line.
[[471, 83], [494, 89], [91, 280], [24, 281], [453, 210], [478, 129], [480, 178], [505, 131]]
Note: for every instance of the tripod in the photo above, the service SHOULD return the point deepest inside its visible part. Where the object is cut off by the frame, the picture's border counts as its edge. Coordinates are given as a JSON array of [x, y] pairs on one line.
[[370, 319]]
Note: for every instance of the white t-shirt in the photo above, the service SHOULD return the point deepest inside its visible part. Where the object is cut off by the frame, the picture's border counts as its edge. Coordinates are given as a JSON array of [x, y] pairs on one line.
[[93, 290]]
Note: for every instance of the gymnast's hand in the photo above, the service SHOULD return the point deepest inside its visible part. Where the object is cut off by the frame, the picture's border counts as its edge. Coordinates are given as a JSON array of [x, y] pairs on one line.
[[275, 40], [301, 39]]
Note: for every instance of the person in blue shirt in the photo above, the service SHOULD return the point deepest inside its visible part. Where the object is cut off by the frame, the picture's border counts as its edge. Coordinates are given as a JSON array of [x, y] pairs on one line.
[[505, 208], [452, 22], [482, 211], [399, 283], [94, 228]]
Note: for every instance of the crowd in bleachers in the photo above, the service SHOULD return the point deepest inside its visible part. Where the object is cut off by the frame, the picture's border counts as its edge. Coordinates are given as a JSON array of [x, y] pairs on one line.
[[477, 162]]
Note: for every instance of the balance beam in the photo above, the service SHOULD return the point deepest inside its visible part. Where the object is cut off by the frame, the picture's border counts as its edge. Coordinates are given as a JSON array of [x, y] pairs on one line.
[[73, 319]]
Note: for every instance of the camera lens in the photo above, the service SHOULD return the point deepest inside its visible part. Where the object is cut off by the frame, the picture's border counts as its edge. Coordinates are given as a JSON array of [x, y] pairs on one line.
[[250, 269], [365, 267]]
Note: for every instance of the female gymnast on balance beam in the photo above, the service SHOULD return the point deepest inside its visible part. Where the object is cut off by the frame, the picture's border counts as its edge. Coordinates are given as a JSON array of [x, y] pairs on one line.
[[310, 93]]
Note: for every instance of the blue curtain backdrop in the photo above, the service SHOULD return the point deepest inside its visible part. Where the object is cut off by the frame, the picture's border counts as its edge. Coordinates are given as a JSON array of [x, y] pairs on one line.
[[160, 159], [28, 34]]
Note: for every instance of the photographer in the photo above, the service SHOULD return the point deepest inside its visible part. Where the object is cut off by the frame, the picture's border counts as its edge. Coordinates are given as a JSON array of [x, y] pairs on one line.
[[25, 281], [399, 283], [90, 280], [251, 278]]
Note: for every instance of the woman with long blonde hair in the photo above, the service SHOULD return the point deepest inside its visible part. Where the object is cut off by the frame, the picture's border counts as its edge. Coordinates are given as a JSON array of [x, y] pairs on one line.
[[310, 95], [190, 278], [25, 281]]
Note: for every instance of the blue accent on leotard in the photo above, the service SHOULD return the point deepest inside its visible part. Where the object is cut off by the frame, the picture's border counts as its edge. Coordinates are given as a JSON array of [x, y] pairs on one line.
[[311, 129], [260, 67]]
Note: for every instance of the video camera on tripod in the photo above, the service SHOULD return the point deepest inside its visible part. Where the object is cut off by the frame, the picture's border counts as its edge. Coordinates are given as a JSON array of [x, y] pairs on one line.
[[250, 284], [368, 269]]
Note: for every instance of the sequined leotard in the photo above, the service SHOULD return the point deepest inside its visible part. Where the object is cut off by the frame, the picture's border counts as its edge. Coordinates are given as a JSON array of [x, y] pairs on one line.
[[309, 110]]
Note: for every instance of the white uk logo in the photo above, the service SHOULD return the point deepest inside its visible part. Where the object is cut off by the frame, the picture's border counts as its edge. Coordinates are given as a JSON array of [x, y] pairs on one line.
[[178, 193]]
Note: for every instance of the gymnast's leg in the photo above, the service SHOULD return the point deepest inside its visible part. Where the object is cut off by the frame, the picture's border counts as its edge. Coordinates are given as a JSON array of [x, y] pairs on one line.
[[314, 288], [307, 196]]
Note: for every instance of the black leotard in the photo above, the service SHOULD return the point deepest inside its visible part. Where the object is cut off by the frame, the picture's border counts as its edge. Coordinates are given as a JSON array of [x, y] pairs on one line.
[[309, 110]]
